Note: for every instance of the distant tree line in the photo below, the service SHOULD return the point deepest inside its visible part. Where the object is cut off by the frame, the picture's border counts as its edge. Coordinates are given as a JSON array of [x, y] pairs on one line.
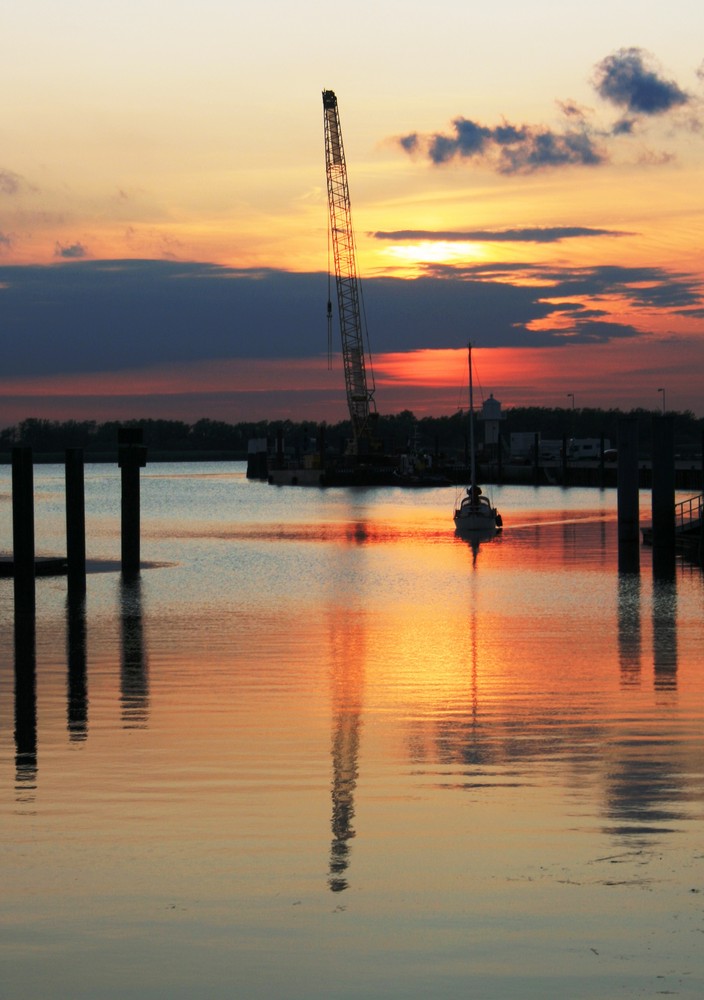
[[398, 433]]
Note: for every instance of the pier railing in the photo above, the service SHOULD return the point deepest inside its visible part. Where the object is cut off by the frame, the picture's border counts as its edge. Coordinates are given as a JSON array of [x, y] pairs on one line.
[[688, 513]]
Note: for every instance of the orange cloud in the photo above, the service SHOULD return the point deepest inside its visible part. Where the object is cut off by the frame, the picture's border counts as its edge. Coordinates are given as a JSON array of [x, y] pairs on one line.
[[214, 375]]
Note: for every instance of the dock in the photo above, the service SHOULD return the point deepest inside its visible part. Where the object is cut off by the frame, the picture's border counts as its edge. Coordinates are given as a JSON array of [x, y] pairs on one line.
[[689, 529]]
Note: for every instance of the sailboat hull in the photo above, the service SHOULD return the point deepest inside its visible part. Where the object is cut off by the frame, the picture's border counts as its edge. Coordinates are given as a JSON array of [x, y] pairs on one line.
[[485, 525], [476, 517]]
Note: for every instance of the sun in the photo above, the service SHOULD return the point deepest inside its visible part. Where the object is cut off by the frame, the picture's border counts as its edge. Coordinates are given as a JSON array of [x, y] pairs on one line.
[[435, 252]]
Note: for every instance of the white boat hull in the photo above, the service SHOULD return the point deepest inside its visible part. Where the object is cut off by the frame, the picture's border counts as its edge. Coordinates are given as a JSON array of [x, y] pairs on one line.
[[475, 523], [477, 516], [478, 523]]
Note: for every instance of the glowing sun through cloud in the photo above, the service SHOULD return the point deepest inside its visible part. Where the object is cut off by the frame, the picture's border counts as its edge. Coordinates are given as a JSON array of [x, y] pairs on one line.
[[439, 252]]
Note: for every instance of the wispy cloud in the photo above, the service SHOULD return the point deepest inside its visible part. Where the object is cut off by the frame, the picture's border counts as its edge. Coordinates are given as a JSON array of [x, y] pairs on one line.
[[628, 79], [10, 182], [537, 234]]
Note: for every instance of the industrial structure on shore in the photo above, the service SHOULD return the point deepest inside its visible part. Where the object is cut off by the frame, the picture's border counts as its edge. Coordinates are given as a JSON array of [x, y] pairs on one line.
[[363, 460]]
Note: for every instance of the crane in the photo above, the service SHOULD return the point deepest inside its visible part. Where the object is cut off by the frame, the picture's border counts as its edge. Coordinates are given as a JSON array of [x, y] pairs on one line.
[[360, 392]]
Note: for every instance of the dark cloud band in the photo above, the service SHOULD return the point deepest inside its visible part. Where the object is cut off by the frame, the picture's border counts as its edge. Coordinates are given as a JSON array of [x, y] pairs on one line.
[[99, 316], [538, 234]]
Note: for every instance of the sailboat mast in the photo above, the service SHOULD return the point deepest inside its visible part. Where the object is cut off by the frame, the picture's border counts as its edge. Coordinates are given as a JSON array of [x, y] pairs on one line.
[[472, 467]]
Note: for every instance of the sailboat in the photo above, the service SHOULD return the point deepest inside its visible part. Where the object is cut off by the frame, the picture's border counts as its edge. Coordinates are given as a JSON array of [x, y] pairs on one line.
[[475, 515]]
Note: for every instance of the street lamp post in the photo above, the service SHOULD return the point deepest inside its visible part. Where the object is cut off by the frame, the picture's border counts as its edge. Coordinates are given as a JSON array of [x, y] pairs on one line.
[[566, 447]]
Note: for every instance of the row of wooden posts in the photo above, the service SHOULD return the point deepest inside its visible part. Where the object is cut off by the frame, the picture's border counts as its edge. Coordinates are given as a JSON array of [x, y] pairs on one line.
[[132, 456], [662, 496]]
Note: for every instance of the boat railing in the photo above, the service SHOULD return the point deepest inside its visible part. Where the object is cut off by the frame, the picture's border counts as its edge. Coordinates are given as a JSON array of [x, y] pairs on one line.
[[688, 513]]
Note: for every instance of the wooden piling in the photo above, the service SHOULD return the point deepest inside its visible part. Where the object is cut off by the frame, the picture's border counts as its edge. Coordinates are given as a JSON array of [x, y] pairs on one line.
[[75, 521], [627, 496], [536, 459], [663, 496], [23, 530], [132, 456]]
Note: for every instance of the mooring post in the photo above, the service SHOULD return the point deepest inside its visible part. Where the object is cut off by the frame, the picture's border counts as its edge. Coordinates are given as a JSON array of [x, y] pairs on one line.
[[564, 459], [536, 458], [23, 529], [663, 496], [627, 496], [132, 456], [75, 521]]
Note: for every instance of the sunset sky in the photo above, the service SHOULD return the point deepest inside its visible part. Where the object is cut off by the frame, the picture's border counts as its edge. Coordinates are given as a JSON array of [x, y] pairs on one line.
[[527, 176]]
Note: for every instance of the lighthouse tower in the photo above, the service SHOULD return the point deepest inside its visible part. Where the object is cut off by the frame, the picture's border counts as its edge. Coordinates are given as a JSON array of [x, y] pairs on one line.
[[491, 416]]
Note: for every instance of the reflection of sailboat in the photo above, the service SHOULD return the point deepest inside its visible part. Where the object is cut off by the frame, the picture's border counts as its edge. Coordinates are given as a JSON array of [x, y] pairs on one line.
[[475, 514], [474, 540]]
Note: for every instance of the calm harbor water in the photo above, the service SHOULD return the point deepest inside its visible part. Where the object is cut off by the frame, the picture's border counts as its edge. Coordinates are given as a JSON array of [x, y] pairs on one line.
[[324, 749]]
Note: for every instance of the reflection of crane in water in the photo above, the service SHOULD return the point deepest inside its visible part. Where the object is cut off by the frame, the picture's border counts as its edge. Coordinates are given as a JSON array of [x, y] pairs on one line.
[[347, 684], [347, 632]]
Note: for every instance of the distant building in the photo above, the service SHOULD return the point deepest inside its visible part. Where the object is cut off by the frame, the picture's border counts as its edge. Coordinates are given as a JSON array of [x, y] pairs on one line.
[[586, 448], [523, 444], [550, 451], [491, 416]]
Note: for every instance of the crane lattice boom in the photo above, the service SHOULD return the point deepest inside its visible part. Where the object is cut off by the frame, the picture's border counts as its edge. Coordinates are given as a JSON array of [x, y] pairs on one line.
[[360, 397]]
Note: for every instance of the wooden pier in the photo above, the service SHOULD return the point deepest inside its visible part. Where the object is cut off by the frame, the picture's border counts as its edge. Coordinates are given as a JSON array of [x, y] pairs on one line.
[[24, 566]]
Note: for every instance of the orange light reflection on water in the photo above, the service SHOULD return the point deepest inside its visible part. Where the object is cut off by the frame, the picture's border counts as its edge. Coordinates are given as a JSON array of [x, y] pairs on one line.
[[341, 724]]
